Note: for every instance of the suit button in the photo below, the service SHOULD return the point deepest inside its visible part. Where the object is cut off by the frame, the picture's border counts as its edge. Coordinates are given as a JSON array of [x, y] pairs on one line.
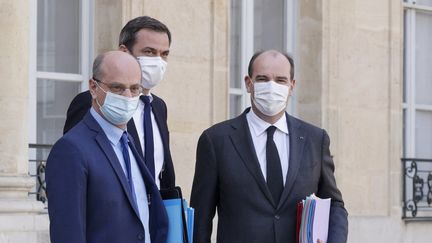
[[277, 217], [140, 236]]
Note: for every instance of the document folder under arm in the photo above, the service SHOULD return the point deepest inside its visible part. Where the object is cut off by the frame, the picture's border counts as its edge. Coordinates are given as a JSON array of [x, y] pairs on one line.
[[176, 207]]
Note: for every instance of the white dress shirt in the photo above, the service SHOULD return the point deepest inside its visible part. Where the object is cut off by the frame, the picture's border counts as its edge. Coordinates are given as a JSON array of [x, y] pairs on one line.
[[138, 118], [258, 128], [114, 136]]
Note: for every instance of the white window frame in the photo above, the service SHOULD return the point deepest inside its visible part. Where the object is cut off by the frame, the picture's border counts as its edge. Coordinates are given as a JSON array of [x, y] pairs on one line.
[[86, 56], [409, 105], [246, 51], [247, 48]]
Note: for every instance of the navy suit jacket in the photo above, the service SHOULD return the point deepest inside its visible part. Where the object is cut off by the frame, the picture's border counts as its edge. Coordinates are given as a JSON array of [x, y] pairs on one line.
[[82, 103], [89, 199], [228, 178]]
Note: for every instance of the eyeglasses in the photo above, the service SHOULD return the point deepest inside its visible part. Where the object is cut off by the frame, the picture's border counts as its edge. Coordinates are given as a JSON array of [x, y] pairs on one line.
[[119, 89]]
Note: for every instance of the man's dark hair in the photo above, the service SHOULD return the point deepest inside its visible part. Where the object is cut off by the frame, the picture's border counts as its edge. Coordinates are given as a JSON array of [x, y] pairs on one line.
[[128, 33], [288, 56]]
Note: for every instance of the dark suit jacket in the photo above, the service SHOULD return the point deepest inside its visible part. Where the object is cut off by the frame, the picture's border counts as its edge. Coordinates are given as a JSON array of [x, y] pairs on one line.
[[88, 192], [228, 178], [82, 103]]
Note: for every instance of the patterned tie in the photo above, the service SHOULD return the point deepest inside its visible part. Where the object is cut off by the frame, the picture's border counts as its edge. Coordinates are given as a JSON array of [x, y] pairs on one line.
[[274, 168], [125, 149], [148, 136]]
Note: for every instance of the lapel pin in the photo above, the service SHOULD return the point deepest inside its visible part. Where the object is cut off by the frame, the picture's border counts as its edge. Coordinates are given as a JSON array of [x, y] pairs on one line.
[[301, 138]]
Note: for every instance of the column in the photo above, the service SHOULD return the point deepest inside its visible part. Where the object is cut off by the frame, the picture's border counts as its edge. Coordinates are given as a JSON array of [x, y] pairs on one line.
[[20, 217]]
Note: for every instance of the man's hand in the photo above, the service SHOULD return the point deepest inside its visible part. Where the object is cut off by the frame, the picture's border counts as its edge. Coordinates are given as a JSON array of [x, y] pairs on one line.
[[320, 241]]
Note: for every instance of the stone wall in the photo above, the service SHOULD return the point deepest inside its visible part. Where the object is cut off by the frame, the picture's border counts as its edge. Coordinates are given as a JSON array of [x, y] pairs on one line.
[[351, 77], [20, 220]]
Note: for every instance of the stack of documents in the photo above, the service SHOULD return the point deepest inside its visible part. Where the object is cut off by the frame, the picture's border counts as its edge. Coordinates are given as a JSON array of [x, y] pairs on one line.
[[313, 219]]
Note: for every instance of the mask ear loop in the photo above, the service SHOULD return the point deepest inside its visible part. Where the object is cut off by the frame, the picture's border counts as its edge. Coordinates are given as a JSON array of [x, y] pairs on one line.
[[94, 97], [91, 91], [97, 84]]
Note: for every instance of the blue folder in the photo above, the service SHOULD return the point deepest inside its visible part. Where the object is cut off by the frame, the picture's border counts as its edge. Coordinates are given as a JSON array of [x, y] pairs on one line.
[[190, 214], [190, 223], [180, 216], [175, 220]]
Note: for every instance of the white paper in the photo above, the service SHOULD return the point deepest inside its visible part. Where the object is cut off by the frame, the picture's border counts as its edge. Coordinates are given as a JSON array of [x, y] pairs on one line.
[[321, 219]]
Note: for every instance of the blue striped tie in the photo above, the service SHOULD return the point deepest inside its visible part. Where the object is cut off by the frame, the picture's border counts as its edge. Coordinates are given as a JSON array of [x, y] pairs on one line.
[[125, 149]]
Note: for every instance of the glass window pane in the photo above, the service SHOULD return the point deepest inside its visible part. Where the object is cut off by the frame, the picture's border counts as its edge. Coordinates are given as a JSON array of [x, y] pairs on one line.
[[53, 99], [423, 134], [235, 69], [405, 53], [235, 105], [424, 2], [58, 36], [404, 132], [423, 61], [269, 29]]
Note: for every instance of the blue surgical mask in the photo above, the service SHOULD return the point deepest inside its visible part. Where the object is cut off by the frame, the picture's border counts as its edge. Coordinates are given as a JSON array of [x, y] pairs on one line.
[[118, 109]]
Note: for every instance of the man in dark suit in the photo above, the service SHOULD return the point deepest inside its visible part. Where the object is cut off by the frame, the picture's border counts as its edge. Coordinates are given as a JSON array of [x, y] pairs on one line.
[[255, 168], [149, 41], [99, 189]]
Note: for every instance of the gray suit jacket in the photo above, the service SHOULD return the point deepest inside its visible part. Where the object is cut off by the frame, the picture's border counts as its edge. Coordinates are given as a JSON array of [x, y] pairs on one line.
[[228, 178]]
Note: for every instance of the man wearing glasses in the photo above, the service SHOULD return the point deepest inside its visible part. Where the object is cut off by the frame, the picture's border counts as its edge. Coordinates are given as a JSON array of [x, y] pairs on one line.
[[148, 40], [98, 187]]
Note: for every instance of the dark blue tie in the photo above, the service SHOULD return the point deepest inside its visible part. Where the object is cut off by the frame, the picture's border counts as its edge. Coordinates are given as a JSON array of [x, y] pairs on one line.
[[148, 136], [125, 149], [274, 168]]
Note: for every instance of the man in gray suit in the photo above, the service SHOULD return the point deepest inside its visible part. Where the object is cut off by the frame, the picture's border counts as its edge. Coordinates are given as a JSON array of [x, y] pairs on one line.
[[255, 168]]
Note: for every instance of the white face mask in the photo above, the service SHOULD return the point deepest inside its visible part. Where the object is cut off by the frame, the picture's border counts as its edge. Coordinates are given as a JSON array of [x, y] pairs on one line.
[[118, 109], [153, 69], [270, 97]]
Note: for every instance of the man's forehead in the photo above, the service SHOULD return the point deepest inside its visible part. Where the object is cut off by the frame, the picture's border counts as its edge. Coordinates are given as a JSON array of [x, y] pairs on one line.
[[122, 71], [271, 56], [122, 78], [150, 38], [272, 66]]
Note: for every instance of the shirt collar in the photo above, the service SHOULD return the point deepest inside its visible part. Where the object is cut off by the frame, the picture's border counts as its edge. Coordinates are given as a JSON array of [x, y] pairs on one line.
[[112, 132], [260, 126], [149, 95]]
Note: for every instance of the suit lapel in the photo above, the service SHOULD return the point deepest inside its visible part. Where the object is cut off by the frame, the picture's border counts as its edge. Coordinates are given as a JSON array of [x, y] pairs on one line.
[[145, 173], [135, 138], [156, 213], [103, 142], [297, 137], [158, 218], [157, 110], [160, 122], [242, 142]]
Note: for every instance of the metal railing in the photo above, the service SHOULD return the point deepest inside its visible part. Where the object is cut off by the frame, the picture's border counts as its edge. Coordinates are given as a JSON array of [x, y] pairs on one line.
[[38, 154], [417, 189]]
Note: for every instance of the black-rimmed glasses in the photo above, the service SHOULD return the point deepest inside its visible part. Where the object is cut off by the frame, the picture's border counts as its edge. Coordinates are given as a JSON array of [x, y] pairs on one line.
[[119, 89]]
